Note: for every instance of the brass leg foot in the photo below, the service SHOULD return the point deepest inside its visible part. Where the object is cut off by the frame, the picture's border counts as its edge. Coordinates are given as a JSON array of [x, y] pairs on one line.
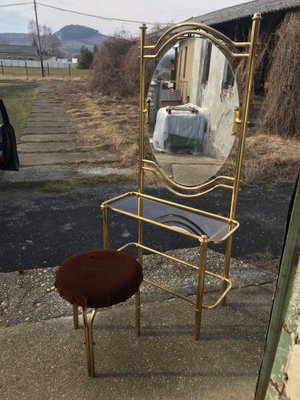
[[89, 345], [223, 302], [138, 313], [75, 316], [197, 324]]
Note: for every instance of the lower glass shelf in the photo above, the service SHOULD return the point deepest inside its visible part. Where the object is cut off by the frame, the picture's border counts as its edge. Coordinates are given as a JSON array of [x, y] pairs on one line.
[[186, 220]]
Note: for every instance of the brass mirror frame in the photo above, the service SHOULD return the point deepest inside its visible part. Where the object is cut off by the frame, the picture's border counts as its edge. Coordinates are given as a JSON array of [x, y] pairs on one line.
[[233, 50], [230, 49], [153, 127]]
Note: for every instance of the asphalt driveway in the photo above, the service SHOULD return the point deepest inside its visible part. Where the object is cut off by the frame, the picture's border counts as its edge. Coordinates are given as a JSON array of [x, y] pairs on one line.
[[42, 229]]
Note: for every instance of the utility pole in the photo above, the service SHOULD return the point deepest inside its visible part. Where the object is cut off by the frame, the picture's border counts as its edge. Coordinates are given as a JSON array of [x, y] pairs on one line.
[[39, 39]]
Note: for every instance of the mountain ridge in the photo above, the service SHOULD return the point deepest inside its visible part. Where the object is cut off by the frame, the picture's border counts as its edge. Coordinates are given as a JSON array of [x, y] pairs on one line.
[[72, 38]]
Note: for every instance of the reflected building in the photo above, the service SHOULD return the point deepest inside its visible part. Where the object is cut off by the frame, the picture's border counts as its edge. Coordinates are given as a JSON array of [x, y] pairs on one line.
[[192, 97]]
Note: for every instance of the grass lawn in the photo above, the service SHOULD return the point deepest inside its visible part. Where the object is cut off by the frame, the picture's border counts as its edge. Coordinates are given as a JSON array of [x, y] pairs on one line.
[[36, 72], [18, 97]]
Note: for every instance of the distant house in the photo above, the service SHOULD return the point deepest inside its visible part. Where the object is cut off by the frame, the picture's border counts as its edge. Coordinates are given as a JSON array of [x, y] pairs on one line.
[[235, 22], [17, 52]]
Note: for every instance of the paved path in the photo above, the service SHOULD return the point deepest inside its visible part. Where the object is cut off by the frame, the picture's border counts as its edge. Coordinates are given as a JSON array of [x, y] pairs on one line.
[[166, 362], [52, 148], [46, 359]]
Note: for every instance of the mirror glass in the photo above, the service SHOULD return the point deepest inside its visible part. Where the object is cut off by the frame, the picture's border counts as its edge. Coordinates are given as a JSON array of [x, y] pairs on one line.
[[191, 101]]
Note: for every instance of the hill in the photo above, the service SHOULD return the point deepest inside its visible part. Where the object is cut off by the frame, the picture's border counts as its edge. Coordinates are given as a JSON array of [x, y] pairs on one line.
[[76, 32], [16, 38], [72, 38]]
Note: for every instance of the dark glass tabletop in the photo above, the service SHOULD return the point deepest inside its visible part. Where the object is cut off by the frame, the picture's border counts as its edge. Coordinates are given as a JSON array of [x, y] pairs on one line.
[[195, 222]]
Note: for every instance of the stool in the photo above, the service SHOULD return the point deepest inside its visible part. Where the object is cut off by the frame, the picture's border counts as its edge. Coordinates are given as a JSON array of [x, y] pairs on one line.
[[97, 279]]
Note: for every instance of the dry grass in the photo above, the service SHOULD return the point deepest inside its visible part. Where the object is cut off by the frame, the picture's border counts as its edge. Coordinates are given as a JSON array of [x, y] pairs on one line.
[[110, 124], [62, 73], [40, 79], [269, 159], [104, 122]]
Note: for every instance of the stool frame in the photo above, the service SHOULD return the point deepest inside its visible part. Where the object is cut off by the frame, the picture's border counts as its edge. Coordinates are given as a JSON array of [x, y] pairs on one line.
[[88, 322]]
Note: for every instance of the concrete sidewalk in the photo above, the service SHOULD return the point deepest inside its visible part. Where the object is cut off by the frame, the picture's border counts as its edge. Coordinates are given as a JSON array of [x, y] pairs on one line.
[[46, 359], [54, 148]]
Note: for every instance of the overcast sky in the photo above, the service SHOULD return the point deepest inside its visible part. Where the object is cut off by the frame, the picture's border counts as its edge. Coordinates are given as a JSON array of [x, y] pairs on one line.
[[16, 18]]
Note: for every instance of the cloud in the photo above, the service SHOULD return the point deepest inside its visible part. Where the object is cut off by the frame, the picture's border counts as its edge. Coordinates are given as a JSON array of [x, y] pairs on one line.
[[17, 19]]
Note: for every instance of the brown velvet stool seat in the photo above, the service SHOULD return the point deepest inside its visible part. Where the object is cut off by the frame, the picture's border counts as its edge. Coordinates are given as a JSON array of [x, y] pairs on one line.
[[97, 279]]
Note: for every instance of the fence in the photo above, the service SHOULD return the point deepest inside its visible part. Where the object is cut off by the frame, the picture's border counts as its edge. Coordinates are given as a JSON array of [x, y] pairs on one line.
[[37, 64], [33, 68]]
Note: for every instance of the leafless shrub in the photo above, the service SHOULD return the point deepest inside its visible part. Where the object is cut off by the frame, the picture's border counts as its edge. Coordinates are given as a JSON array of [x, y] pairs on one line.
[[107, 76], [116, 66], [280, 110], [264, 54], [130, 70]]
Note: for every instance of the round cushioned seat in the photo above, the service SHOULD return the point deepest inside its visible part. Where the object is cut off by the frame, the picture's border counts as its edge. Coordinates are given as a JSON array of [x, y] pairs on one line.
[[98, 278]]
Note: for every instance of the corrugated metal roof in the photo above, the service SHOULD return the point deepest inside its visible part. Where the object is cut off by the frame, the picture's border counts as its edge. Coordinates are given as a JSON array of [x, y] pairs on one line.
[[245, 10]]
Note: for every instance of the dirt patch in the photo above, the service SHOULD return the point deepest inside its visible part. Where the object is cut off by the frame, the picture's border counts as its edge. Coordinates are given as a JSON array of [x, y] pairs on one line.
[[264, 260]]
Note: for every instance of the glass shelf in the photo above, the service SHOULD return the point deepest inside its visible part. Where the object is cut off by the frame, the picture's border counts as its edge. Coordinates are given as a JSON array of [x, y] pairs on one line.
[[186, 220]]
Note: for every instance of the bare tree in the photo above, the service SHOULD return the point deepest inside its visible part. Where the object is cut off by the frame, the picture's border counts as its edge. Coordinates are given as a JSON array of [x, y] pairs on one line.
[[116, 66], [49, 41]]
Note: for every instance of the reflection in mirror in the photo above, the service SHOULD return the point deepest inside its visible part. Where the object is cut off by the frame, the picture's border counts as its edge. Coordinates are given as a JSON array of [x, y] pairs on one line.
[[191, 103]]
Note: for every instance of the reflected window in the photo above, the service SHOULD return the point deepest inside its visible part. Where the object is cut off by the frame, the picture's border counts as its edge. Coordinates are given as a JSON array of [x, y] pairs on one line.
[[185, 61], [180, 61], [228, 77], [206, 63]]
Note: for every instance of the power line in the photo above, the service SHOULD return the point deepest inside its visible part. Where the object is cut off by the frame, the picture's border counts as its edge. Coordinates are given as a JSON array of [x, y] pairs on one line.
[[86, 14], [15, 4], [100, 17]]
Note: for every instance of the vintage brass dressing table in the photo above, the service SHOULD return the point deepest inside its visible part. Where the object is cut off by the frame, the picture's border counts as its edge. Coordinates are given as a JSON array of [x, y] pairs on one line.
[[191, 114]]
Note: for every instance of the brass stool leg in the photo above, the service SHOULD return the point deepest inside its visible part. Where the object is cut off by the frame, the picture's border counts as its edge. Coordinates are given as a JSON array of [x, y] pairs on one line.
[[138, 313], [200, 289], [75, 316], [89, 344]]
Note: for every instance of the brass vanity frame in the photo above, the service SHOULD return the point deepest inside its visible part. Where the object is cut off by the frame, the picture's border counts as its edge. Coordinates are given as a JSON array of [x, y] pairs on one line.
[[233, 50]]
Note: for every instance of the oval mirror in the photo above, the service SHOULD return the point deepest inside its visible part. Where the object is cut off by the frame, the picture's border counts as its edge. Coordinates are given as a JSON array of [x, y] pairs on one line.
[[191, 101]]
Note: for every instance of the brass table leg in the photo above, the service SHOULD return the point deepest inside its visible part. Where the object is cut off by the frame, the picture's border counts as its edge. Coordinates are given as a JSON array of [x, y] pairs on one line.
[[226, 267], [200, 288]]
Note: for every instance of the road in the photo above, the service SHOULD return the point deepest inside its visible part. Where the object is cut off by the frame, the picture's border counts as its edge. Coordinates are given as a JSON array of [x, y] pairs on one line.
[[42, 229]]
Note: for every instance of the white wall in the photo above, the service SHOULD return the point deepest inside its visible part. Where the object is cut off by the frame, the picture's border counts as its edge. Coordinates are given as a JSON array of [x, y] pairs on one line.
[[37, 64], [221, 104]]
